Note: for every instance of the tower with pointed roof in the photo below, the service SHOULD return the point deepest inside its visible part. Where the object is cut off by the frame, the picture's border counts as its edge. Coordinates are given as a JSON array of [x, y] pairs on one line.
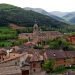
[[35, 28], [35, 32]]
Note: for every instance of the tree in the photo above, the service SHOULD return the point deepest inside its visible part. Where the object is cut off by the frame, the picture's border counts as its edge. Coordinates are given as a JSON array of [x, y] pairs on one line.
[[38, 47], [48, 65], [60, 69], [59, 43]]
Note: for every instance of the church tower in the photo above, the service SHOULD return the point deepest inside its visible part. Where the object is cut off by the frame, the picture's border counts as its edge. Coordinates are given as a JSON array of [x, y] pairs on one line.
[[35, 28], [35, 32]]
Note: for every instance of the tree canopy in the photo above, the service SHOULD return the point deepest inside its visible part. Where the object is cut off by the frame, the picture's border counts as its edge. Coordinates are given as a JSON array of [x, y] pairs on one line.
[[49, 65]]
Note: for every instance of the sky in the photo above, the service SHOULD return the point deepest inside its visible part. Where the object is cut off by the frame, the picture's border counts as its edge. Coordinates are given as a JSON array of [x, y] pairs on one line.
[[48, 5]]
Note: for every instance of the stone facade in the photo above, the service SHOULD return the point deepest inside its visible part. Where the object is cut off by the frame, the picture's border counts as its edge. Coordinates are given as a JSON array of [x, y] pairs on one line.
[[65, 58], [30, 62], [39, 35], [21, 64], [71, 39]]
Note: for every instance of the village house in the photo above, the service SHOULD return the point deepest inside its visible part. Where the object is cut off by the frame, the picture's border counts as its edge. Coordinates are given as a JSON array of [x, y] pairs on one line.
[[15, 64], [65, 58], [57, 55], [70, 60], [35, 62], [71, 39], [25, 63], [30, 61], [2, 54]]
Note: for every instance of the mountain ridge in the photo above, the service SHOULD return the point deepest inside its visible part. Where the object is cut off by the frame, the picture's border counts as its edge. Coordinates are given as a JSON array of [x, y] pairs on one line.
[[26, 18], [59, 13], [70, 17], [42, 11]]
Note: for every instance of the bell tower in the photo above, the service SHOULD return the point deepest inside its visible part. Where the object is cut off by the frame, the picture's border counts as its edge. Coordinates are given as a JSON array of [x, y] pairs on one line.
[[35, 28]]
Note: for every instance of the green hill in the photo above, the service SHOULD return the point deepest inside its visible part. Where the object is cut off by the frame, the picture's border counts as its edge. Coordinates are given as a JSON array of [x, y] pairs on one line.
[[13, 14]]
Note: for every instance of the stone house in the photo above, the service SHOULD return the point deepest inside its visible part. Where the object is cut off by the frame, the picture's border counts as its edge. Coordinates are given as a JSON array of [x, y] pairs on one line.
[[25, 36], [57, 55], [71, 39], [25, 63], [35, 61], [65, 58], [13, 65], [30, 62], [70, 60], [2, 54]]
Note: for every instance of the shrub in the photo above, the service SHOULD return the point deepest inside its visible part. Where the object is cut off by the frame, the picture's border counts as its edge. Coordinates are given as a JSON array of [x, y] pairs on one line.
[[60, 69], [48, 65]]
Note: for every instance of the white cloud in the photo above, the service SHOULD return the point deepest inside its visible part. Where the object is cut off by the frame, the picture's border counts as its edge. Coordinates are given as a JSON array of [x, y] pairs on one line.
[[49, 5]]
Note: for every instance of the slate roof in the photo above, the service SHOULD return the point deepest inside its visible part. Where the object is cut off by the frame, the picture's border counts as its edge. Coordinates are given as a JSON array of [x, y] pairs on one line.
[[58, 54], [70, 54]]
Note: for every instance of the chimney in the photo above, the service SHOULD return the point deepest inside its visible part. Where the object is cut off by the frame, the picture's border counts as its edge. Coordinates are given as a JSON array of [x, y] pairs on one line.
[[8, 53]]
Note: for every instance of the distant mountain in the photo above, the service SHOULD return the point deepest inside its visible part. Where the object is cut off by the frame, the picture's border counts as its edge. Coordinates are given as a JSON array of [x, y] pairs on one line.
[[42, 11], [59, 14], [39, 10], [13, 14], [70, 17]]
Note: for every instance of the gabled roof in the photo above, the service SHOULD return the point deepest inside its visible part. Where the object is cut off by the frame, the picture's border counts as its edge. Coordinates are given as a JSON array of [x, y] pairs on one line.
[[2, 51], [70, 54], [55, 54], [34, 57], [29, 44], [52, 32]]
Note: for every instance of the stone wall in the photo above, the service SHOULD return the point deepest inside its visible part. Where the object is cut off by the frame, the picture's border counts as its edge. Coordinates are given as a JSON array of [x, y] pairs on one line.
[[10, 70]]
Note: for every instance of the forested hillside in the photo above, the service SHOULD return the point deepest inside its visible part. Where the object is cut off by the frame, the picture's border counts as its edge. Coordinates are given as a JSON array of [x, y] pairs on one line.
[[13, 14], [10, 13]]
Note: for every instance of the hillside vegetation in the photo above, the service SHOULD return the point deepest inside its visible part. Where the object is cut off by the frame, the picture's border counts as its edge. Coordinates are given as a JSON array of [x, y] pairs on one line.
[[17, 15], [9, 37]]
